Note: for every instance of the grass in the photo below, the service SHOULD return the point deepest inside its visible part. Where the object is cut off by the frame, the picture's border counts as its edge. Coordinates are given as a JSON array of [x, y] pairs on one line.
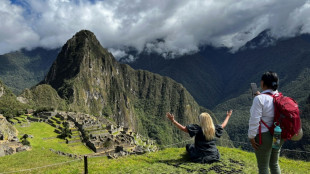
[[170, 160], [43, 139]]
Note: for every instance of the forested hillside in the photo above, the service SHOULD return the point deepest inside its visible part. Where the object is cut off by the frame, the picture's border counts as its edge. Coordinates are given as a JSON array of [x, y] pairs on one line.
[[9, 105], [23, 69]]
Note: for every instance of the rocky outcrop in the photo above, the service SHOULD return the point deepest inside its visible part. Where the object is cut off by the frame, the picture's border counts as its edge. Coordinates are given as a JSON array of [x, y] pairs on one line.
[[9, 143], [7, 131]]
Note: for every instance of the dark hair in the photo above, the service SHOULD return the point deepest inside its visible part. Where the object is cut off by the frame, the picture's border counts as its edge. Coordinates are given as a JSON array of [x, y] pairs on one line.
[[271, 80]]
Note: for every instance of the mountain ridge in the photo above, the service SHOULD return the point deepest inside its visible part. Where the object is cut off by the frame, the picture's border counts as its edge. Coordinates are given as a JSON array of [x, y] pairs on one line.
[[90, 80]]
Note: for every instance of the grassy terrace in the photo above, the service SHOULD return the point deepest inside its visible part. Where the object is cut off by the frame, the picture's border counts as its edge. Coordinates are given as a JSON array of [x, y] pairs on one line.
[[40, 155], [171, 160]]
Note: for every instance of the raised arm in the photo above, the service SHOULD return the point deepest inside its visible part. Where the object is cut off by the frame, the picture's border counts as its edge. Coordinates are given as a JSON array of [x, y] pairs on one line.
[[178, 125], [227, 118]]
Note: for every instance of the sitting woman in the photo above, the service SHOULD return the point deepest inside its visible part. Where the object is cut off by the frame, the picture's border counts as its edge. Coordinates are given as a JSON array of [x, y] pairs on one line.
[[204, 150]]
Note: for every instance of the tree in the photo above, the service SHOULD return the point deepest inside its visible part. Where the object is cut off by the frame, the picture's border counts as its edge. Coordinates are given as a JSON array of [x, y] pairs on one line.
[[24, 140], [65, 132]]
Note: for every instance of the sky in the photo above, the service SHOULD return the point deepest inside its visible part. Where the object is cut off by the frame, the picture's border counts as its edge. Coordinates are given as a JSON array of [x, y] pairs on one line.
[[176, 27]]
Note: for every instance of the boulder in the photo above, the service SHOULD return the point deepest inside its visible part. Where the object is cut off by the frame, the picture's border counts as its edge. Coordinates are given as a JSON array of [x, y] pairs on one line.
[[22, 148], [9, 151], [7, 130], [139, 150]]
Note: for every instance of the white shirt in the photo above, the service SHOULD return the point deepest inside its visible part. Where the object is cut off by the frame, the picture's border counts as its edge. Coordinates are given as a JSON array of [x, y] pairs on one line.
[[262, 108]]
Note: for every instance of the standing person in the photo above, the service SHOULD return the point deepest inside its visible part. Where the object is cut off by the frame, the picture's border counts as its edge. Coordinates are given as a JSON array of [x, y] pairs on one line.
[[263, 109], [204, 150]]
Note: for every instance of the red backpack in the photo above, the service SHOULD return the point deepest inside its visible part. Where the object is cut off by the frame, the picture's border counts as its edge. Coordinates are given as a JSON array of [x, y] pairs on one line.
[[286, 114]]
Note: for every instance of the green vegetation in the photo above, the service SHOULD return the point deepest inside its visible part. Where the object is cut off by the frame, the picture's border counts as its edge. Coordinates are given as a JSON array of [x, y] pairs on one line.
[[43, 139], [9, 106], [44, 97], [24, 69], [171, 160], [24, 140], [65, 131]]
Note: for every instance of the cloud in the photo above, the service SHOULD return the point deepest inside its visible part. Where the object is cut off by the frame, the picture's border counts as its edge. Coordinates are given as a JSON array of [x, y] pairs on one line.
[[15, 33], [168, 27]]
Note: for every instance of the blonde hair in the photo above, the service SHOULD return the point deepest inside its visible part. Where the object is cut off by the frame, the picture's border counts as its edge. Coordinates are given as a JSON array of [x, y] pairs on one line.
[[207, 126]]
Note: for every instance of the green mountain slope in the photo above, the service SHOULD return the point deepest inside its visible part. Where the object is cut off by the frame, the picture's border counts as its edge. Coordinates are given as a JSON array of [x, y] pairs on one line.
[[89, 79], [9, 105], [44, 96], [23, 69], [201, 73]]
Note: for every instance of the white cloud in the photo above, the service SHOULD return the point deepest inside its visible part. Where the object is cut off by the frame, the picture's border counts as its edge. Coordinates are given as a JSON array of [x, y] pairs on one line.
[[182, 24], [14, 30], [117, 53]]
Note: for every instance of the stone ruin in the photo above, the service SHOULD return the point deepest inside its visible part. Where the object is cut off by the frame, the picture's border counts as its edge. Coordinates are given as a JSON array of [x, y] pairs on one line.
[[99, 134], [103, 137], [66, 154], [9, 143]]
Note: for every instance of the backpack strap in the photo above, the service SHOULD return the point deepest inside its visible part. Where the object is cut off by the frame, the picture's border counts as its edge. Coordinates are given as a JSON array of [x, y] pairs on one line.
[[260, 130], [269, 93]]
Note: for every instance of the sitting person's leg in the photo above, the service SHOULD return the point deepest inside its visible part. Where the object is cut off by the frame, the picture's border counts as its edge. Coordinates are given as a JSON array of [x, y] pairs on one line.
[[190, 148]]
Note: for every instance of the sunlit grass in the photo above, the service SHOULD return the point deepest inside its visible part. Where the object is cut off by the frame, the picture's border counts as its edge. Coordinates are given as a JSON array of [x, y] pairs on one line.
[[171, 160]]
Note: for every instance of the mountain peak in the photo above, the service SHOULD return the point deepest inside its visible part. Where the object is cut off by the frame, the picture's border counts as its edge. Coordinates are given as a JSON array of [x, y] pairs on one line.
[[84, 35], [262, 40], [82, 50]]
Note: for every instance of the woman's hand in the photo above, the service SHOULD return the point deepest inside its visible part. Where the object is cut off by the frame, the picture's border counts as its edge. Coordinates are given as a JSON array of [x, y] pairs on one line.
[[254, 144], [257, 93], [178, 125], [228, 114], [170, 116]]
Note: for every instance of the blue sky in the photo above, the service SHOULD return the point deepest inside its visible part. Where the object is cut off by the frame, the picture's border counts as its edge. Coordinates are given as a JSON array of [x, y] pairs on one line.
[[181, 25]]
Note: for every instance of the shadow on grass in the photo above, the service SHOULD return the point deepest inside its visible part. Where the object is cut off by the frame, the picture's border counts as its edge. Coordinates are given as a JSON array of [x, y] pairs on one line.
[[223, 166]]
